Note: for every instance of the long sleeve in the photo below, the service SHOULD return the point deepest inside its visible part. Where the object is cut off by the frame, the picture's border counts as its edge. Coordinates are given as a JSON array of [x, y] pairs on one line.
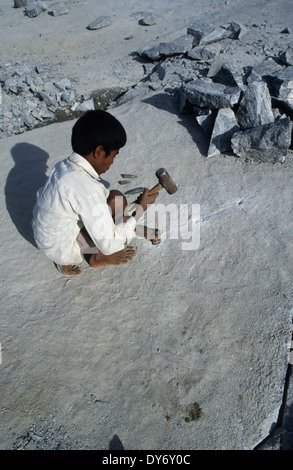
[[95, 214], [75, 196]]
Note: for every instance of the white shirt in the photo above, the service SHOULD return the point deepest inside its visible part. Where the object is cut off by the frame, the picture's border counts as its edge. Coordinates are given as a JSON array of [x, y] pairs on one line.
[[74, 197]]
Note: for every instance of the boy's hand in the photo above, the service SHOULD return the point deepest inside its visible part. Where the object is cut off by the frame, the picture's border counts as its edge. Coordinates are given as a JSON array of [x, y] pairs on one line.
[[144, 199]]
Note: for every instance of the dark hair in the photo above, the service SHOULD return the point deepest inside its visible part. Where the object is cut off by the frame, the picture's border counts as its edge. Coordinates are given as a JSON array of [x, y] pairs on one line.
[[96, 128]]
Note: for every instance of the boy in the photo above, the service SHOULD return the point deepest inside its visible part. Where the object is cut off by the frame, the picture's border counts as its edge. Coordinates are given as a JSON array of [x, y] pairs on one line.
[[75, 214]]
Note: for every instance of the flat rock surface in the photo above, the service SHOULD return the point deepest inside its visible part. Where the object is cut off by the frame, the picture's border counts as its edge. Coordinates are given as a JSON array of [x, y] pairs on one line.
[[186, 347]]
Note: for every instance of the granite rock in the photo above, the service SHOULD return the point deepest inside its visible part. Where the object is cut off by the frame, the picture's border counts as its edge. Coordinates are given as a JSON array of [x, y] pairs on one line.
[[268, 143], [224, 128], [59, 8], [99, 23], [204, 93], [255, 107], [287, 56], [181, 45]]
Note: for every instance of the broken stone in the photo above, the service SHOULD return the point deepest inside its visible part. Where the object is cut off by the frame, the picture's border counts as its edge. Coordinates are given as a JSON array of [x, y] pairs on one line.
[[66, 98], [63, 84], [235, 29], [37, 116], [226, 74], [196, 34], [255, 108], [232, 31], [180, 45], [15, 85], [265, 71], [267, 143], [204, 93], [33, 9], [282, 84], [284, 106], [59, 8], [287, 56], [28, 119], [203, 53], [184, 105], [224, 128], [206, 122], [100, 22], [48, 99], [20, 3], [23, 70], [148, 20], [42, 4], [216, 34], [41, 68], [45, 113], [85, 106]]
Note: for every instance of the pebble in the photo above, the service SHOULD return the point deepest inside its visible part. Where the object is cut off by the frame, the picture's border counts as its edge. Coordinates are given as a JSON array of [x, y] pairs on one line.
[[59, 8], [100, 22]]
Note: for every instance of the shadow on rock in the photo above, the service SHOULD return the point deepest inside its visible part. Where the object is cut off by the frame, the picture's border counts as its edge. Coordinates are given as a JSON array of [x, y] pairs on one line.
[[169, 103], [115, 443], [22, 184]]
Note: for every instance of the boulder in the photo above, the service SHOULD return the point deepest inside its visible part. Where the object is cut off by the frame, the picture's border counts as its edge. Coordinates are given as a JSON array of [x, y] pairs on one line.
[[181, 45], [268, 143], [264, 70], [206, 122], [224, 128], [214, 34], [287, 56], [282, 84], [226, 74], [203, 53], [204, 93], [255, 108]]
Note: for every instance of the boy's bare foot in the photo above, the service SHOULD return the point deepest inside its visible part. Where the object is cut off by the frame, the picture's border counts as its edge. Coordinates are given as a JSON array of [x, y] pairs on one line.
[[120, 257], [69, 270]]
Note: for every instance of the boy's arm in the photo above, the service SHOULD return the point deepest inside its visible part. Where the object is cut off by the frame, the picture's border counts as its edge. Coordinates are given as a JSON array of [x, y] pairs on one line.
[[96, 217], [142, 202]]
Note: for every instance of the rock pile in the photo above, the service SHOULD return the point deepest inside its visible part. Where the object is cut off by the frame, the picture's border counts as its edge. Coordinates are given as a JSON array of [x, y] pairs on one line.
[[245, 110], [34, 8], [249, 112], [33, 96]]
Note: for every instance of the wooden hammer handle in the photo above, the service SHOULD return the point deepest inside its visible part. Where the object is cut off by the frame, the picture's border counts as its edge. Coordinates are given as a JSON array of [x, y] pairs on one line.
[[155, 189]]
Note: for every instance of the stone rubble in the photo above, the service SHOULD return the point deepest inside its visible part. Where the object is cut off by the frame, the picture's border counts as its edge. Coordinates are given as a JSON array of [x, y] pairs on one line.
[[32, 96], [247, 111]]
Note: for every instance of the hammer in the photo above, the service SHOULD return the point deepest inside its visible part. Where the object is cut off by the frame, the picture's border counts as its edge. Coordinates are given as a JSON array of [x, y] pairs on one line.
[[165, 181]]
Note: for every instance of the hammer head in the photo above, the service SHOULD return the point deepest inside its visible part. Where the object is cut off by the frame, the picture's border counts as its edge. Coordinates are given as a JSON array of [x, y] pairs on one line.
[[166, 181]]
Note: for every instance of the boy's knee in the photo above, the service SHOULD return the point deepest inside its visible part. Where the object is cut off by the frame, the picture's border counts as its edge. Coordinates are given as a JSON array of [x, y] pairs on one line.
[[117, 203], [116, 197], [114, 193]]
